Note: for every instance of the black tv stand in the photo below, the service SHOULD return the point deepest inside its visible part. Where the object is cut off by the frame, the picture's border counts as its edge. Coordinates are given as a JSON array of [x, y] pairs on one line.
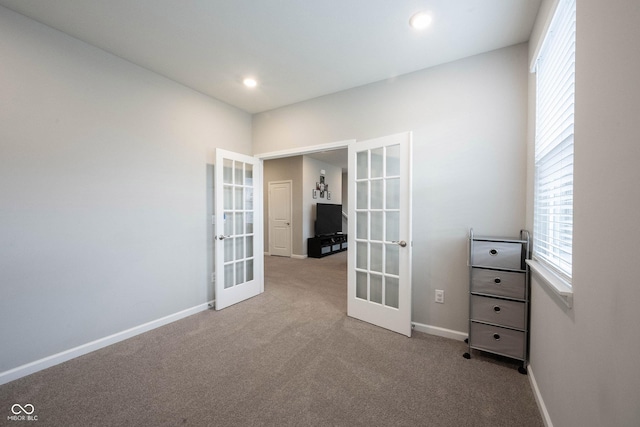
[[321, 246]]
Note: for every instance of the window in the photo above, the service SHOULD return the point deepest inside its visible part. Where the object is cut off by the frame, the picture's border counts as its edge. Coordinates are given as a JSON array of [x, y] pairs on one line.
[[553, 191]]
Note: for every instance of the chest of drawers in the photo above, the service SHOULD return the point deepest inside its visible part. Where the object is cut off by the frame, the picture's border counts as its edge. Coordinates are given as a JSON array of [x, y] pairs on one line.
[[499, 296]]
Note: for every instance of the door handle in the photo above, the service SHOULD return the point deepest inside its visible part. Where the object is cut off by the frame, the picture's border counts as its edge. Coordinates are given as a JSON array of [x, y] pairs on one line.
[[288, 223], [222, 237], [400, 243]]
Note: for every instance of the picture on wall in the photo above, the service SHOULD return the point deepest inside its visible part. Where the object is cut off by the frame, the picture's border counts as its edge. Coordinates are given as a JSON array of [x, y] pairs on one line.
[[322, 187]]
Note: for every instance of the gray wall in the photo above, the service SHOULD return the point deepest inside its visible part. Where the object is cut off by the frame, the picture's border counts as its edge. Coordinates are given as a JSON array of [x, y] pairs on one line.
[[469, 122], [311, 175], [103, 189], [585, 360]]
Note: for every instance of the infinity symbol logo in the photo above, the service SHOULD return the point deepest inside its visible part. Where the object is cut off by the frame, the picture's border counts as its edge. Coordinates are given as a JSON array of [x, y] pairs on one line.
[[27, 409]]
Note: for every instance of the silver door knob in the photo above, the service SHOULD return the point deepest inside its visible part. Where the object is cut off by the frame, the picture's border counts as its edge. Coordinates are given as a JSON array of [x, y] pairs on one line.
[[222, 237], [400, 243]]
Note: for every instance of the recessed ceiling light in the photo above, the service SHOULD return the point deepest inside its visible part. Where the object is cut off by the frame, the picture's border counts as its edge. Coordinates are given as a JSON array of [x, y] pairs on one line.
[[249, 82], [420, 20]]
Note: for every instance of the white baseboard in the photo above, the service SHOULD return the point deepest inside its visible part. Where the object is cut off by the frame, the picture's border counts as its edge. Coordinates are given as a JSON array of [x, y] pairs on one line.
[[55, 359], [536, 392], [294, 256], [440, 332]]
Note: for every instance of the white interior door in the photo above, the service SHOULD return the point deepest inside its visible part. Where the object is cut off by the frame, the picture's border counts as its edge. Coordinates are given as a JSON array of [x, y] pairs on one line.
[[280, 218], [239, 238], [379, 261]]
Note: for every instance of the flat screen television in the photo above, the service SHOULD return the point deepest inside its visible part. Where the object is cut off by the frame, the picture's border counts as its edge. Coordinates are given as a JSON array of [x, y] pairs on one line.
[[328, 219]]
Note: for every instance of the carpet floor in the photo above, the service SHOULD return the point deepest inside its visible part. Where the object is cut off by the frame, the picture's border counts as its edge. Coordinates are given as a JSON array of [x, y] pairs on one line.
[[288, 357]]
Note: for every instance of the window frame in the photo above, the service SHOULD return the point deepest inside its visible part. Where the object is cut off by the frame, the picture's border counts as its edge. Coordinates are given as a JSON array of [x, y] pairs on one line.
[[553, 146]]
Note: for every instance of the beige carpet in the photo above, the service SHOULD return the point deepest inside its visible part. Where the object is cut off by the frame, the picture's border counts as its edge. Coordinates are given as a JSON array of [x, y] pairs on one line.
[[289, 357]]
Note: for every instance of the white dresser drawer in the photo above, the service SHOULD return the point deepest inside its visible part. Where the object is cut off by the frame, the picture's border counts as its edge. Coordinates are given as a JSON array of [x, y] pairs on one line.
[[498, 311], [500, 283], [497, 340], [498, 254]]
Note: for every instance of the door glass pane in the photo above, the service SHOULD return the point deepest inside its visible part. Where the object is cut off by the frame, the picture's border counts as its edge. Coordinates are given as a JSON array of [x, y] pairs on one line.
[[228, 276], [376, 288], [361, 285], [249, 246], [392, 260], [248, 198], [248, 174], [239, 247], [376, 257], [391, 291], [228, 223], [362, 225], [249, 222], [227, 172], [239, 223], [377, 226], [228, 197], [238, 173], [362, 165], [239, 199], [393, 160], [377, 194], [228, 250], [249, 270], [377, 157], [362, 254], [393, 193], [239, 272], [362, 193], [393, 226]]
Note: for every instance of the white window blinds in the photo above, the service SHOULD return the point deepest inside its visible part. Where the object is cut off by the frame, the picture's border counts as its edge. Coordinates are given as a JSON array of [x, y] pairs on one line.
[[555, 86]]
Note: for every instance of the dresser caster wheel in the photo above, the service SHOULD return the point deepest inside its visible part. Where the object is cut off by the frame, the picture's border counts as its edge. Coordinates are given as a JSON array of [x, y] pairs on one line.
[[522, 370], [466, 356]]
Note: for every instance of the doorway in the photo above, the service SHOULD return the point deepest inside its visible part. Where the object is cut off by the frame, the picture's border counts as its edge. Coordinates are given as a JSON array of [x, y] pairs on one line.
[[379, 264]]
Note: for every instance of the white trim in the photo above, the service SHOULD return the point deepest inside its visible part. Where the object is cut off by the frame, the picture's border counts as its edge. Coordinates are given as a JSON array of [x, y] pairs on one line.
[[440, 332], [299, 151], [559, 287], [56, 359], [294, 256], [536, 393]]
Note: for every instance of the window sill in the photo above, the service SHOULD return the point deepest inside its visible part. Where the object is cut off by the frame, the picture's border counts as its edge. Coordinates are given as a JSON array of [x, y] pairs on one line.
[[559, 287]]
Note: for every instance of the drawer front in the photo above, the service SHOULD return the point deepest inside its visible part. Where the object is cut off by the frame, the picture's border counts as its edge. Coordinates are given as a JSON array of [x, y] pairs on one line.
[[497, 340], [501, 283], [498, 254], [498, 311]]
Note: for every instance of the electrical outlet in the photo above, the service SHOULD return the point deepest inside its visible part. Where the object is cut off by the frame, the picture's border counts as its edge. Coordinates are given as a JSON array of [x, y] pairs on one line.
[[440, 296]]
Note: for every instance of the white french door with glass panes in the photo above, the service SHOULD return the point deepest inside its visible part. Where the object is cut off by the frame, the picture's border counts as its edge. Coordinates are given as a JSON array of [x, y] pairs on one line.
[[379, 271], [238, 234]]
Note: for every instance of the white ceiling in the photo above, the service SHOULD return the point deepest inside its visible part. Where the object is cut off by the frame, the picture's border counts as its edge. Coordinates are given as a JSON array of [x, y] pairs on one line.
[[296, 49]]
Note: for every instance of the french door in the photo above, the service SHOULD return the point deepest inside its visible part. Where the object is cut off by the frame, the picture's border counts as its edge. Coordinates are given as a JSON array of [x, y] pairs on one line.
[[239, 258], [379, 260]]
